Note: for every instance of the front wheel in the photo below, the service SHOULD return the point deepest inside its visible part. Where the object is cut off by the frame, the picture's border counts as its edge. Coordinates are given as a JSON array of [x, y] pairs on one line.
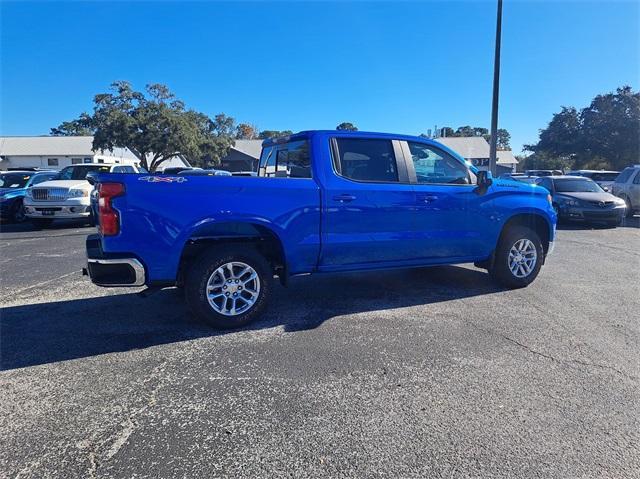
[[228, 288], [17, 213], [629, 210], [518, 258]]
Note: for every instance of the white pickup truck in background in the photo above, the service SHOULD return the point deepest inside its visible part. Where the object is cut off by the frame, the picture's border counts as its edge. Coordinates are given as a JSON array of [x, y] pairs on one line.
[[69, 195]]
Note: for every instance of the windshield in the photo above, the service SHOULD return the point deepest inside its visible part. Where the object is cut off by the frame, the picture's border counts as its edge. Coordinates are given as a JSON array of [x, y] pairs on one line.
[[81, 172], [14, 180], [577, 186]]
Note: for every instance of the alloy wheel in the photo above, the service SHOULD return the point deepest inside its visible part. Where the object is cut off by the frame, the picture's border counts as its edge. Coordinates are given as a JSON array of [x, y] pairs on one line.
[[233, 288], [522, 258]]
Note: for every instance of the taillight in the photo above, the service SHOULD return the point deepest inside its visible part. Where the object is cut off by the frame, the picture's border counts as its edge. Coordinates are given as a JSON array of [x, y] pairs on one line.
[[109, 219]]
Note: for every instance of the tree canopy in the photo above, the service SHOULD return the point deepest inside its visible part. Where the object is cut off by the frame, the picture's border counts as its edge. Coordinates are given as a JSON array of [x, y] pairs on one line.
[[264, 134], [504, 138], [346, 126], [153, 125], [605, 134], [246, 131]]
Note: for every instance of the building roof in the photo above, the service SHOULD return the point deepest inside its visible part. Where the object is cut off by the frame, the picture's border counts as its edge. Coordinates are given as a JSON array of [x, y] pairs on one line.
[[249, 147], [467, 147], [45, 145], [471, 147], [53, 146], [505, 157]]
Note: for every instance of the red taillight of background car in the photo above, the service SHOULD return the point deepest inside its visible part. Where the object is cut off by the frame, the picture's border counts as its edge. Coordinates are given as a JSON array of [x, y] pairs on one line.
[[109, 218]]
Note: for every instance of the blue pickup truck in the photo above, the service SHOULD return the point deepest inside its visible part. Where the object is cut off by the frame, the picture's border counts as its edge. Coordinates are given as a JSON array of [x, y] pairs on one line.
[[322, 202]]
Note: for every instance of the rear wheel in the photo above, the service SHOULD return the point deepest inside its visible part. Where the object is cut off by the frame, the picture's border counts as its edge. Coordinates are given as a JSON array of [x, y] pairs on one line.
[[518, 258], [41, 222], [228, 288]]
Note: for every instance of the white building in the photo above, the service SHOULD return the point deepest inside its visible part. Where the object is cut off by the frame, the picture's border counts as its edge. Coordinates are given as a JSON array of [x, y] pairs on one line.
[[56, 152], [476, 150]]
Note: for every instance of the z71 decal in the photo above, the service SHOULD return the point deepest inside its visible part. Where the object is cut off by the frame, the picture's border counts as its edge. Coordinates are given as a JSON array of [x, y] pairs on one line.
[[163, 179]]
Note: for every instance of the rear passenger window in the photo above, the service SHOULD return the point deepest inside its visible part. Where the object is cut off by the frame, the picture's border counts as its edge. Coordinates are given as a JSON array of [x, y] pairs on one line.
[[364, 159], [288, 160], [636, 180]]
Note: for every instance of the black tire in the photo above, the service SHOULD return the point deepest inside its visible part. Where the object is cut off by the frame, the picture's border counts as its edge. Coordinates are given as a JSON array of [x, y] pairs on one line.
[[17, 212], [41, 222], [201, 270], [91, 220], [629, 211], [500, 270]]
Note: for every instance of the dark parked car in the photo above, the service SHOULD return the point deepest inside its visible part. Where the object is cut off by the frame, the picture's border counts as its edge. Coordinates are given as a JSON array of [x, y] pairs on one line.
[[208, 172], [543, 173], [577, 198], [174, 170], [13, 188], [522, 177]]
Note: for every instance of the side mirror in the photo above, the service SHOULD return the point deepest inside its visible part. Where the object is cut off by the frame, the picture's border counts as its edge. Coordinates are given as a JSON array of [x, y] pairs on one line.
[[484, 179], [91, 179], [605, 188]]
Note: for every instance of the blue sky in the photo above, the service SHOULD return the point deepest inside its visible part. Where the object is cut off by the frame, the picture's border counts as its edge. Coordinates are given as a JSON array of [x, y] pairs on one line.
[[400, 67]]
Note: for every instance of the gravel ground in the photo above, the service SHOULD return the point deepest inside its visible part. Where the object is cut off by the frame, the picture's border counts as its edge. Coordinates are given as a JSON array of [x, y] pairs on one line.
[[421, 373]]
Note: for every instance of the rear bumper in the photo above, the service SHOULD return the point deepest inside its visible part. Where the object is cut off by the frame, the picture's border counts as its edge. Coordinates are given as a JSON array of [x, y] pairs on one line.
[[112, 270]]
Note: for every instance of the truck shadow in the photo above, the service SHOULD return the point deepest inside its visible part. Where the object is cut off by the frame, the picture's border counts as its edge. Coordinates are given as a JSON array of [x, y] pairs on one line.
[[49, 332]]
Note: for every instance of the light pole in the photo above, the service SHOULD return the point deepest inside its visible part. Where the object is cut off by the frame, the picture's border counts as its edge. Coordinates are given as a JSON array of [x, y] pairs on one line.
[[496, 89]]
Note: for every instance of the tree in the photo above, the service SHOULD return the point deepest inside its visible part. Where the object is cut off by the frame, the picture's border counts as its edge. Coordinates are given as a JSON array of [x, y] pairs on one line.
[[245, 131], [504, 137], [346, 126], [540, 161], [153, 125], [611, 128], [562, 138], [81, 126], [447, 131], [264, 134], [606, 134]]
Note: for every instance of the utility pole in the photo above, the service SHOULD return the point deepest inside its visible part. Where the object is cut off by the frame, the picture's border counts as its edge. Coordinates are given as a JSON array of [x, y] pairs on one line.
[[496, 89]]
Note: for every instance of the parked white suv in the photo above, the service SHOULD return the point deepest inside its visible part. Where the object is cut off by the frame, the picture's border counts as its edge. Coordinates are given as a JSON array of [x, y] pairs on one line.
[[627, 187], [68, 196]]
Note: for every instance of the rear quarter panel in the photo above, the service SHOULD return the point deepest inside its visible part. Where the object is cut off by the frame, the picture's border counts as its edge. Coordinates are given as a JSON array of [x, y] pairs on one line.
[[158, 218]]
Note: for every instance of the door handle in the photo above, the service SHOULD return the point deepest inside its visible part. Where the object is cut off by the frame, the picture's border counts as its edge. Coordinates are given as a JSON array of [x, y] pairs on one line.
[[344, 198], [429, 199]]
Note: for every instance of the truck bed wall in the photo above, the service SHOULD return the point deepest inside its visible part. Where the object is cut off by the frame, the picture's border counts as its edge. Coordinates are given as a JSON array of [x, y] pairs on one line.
[[158, 218]]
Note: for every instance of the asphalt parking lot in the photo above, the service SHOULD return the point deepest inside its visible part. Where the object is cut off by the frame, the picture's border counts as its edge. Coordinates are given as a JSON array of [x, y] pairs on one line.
[[423, 373]]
